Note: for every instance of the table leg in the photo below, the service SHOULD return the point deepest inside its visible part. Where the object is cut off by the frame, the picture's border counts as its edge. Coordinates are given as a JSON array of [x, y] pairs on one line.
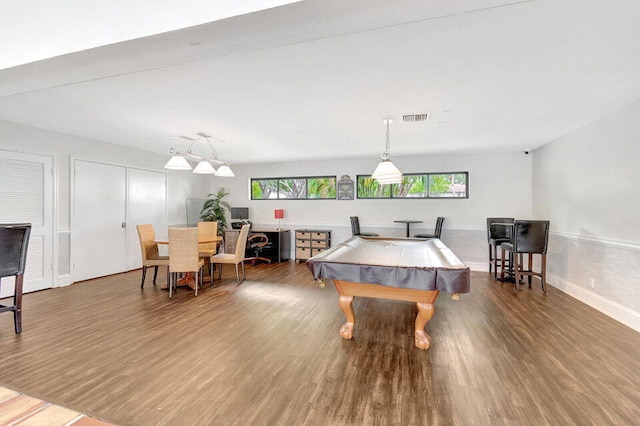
[[346, 304], [425, 312], [408, 224]]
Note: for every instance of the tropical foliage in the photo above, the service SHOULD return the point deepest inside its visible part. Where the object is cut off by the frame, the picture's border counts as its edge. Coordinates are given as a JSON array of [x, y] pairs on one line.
[[424, 185], [321, 187], [215, 209]]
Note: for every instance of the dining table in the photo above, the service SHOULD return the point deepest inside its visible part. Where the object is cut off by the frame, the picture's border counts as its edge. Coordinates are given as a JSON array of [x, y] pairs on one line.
[[188, 279]]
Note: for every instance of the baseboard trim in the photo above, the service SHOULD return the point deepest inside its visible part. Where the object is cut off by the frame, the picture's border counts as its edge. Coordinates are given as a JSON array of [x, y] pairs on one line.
[[620, 313]]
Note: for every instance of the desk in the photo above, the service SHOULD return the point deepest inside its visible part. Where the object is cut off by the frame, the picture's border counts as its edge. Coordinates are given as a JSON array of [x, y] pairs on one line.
[[408, 222], [392, 268]]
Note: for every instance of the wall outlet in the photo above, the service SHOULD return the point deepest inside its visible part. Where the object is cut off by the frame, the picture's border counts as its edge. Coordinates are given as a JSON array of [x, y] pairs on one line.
[[592, 282]]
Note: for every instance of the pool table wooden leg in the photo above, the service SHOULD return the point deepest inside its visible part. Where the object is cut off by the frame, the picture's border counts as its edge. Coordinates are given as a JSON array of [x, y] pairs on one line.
[[346, 304], [425, 312]]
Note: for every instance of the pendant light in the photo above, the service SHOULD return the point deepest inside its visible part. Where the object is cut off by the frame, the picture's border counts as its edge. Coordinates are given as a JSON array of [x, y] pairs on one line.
[[387, 172]]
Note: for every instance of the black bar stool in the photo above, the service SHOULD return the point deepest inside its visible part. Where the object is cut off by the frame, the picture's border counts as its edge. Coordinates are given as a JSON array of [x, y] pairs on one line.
[[14, 241], [529, 237]]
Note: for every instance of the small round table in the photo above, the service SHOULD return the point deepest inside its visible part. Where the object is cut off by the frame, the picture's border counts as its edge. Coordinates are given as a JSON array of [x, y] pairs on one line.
[[408, 222]]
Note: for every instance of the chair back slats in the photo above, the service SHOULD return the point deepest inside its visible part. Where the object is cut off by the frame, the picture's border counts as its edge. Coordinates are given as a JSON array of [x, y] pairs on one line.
[[183, 250], [531, 236], [149, 249], [14, 242], [355, 225], [241, 245], [498, 232], [438, 231], [208, 230]]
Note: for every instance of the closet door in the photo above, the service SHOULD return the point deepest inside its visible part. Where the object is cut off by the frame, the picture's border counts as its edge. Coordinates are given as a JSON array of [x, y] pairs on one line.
[[98, 236], [26, 195], [146, 203]]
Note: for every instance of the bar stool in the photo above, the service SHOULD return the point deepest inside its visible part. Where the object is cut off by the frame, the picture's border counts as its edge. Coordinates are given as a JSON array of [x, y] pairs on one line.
[[529, 237], [14, 242], [496, 235]]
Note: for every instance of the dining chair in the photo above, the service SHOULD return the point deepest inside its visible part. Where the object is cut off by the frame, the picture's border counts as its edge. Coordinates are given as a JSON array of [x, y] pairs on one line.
[[236, 258], [496, 235], [149, 252], [437, 231], [184, 257], [528, 237], [355, 228], [14, 242], [207, 230]]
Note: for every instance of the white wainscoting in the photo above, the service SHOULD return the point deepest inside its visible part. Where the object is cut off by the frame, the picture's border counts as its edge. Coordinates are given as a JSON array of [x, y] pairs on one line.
[[601, 273]]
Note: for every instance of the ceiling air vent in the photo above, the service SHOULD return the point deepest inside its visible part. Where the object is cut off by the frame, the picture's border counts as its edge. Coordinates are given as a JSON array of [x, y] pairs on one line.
[[410, 118]]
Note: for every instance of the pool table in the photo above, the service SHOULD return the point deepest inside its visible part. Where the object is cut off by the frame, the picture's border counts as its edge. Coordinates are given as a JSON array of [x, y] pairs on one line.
[[413, 270]]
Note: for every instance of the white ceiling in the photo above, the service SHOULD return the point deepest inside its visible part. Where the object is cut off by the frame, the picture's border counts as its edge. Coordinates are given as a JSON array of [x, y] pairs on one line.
[[315, 78]]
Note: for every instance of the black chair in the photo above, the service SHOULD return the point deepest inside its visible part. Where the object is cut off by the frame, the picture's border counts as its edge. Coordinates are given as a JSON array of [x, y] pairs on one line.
[[436, 233], [14, 241], [355, 228], [496, 235], [257, 243], [529, 237]]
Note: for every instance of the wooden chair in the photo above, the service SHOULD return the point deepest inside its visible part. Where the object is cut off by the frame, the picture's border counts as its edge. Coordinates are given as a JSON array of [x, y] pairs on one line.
[[149, 252], [207, 230], [236, 258], [496, 235], [529, 237], [355, 228], [184, 257], [14, 242], [437, 232]]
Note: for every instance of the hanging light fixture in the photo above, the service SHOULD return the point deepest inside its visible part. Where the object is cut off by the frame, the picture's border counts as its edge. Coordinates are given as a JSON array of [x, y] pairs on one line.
[[179, 162], [387, 172]]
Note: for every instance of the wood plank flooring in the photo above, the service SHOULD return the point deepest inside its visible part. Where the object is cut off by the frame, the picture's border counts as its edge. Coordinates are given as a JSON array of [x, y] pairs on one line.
[[268, 352]]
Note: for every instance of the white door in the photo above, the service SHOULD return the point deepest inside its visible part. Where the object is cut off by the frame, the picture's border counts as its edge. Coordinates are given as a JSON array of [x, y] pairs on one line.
[[98, 236], [26, 195], [146, 203]]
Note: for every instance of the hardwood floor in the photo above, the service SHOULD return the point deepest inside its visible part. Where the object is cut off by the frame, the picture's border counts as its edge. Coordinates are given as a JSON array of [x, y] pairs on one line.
[[268, 352]]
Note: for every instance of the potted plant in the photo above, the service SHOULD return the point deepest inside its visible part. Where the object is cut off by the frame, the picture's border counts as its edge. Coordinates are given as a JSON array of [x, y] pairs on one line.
[[214, 209]]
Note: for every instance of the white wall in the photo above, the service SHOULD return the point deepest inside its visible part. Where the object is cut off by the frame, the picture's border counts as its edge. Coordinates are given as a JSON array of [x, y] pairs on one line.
[[15, 137], [586, 183], [499, 185]]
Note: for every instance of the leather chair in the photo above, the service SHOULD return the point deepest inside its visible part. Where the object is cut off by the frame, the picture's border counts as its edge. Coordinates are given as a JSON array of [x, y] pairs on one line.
[[355, 228], [149, 252], [184, 257], [236, 258], [436, 233], [529, 237], [14, 242], [496, 235], [257, 243]]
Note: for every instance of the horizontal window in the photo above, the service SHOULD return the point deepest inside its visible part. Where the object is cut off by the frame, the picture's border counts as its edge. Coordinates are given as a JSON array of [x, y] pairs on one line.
[[294, 188], [417, 185]]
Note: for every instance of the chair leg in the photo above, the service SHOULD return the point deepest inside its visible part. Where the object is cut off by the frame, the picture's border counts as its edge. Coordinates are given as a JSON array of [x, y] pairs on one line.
[[144, 275], [502, 268], [530, 268], [490, 259], [155, 274], [543, 277], [244, 274], [238, 275], [197, 283], [517, 259], [17, 301], [171, 278]]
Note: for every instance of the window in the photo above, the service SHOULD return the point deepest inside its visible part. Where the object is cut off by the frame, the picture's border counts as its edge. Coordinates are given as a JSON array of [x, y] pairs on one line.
[[418, 185], [294, 188]]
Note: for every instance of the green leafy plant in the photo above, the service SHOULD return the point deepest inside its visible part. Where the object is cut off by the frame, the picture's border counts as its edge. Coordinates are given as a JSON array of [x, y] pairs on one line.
[[215, 209]]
